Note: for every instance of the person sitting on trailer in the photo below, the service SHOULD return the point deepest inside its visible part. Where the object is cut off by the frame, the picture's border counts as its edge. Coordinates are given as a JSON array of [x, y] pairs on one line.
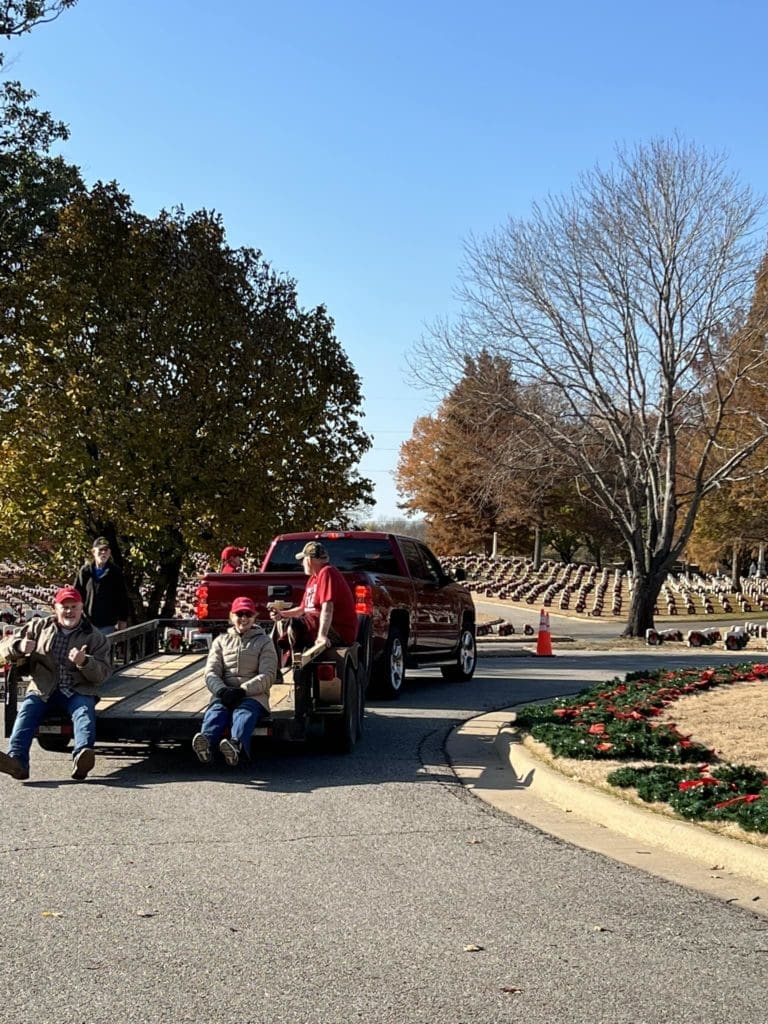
[[69, 659], [327, 613], [232, 559], [239, 672]]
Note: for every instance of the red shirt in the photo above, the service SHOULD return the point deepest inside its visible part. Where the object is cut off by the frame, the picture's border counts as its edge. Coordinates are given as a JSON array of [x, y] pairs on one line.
[[329, 585]]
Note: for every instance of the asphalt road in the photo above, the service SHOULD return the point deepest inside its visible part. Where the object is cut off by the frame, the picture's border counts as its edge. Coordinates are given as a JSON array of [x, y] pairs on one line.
[[322, 889]]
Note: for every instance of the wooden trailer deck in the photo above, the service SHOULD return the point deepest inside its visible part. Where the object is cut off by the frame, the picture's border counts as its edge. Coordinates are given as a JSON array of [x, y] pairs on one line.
[[164, 697]]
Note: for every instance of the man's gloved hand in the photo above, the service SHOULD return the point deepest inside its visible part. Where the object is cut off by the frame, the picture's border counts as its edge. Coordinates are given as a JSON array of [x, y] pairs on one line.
[[231, 696]]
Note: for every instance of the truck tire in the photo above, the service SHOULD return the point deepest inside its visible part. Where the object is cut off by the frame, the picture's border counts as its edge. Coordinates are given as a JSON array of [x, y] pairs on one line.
[[466, 658], [389, 677], [342, 733]]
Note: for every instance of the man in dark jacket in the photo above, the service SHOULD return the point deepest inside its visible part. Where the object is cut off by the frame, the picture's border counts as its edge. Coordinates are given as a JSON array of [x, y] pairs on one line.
[[102, 587]]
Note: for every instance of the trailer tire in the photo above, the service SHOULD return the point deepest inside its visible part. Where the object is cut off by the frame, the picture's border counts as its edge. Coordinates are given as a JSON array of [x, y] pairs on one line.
[[365, 651], [343, 732], [54, 744]]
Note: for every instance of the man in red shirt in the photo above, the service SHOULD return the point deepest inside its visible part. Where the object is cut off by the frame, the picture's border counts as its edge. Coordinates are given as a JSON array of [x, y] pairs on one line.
[[327, 611]]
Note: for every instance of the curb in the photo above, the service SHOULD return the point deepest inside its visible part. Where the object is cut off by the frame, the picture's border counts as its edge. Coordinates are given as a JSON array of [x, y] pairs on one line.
[[637, 823], [488, 757]]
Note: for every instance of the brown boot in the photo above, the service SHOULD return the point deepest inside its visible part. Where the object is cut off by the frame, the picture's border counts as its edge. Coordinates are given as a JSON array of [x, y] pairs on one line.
[[12, 767]]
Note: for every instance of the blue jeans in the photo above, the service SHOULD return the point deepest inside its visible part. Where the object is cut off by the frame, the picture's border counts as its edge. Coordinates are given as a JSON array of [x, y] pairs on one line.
[[34, 709], [241, 721]]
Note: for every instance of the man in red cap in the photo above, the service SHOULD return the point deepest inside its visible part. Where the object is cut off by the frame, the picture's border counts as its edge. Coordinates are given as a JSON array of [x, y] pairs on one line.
[[68, 659], [327, 612], [239, 672], [232, 559]]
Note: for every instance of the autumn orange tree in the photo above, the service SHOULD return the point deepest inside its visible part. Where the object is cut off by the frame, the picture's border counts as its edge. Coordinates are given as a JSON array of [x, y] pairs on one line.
[[474, 472], [733, 520]]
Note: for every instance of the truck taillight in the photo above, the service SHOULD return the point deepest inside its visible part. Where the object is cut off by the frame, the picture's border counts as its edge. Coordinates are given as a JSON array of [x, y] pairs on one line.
[[202, 601], [363, 600]]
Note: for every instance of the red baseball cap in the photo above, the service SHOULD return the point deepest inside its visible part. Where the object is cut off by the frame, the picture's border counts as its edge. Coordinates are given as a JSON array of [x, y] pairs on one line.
[[244, 604], [230, 552], [67, 594]]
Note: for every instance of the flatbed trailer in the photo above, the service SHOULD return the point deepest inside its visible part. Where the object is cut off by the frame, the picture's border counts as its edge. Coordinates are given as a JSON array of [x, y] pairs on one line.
[[160, 696]]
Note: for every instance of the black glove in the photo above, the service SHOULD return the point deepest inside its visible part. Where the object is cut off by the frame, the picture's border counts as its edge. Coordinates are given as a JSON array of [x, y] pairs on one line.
[[231, 696]]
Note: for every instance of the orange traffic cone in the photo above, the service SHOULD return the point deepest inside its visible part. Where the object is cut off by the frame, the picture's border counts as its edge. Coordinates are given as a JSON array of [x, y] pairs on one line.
[[544, 641]]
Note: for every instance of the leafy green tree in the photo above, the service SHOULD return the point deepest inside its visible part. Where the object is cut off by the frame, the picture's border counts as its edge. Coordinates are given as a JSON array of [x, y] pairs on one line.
[[20, 16], [167, 391], [34, 184]]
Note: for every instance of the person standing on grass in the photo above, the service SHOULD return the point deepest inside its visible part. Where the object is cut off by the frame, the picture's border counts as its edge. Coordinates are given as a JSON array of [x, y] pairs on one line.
[[101, 585], [68, 660], [239, 672]]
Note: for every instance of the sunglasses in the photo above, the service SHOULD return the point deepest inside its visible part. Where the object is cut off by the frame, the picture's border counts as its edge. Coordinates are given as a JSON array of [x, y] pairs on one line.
[[243, 615], [102, 549]]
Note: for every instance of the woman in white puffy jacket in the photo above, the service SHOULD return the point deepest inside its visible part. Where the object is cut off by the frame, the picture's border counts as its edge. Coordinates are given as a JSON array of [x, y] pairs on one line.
[[239, 672]]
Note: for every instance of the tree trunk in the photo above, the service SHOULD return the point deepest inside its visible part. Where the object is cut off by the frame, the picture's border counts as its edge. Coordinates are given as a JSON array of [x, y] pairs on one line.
[[645, 594], [172, 572], [537, 547], [735, 574], [164, 589]]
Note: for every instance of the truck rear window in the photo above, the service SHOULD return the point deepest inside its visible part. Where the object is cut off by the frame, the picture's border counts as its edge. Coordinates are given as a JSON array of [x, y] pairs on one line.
[[350, 554]]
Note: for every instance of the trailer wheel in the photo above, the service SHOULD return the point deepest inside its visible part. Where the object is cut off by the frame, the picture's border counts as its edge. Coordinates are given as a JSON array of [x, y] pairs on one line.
[[343, 732], [390, 669], [53, 743], [365, 652]]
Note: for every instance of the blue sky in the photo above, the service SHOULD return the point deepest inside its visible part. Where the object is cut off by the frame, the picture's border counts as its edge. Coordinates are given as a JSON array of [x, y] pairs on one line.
[[357, 145]]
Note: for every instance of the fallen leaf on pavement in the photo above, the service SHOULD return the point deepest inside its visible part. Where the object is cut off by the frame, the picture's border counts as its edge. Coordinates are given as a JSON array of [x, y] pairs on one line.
[[472, 948], [51, 913], [510, 988], [146, 913]]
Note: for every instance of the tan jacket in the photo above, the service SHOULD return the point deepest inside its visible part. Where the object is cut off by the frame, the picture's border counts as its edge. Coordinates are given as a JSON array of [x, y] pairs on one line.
[[249, 661], [42, 665]]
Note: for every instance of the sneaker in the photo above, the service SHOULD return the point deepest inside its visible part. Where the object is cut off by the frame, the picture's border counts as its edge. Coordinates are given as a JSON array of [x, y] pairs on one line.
[[202, 748], [231, 750], [13, 767], [82, 762]]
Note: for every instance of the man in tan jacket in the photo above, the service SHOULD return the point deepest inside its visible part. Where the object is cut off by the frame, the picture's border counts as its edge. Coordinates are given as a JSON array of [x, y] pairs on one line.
[[239, 672], [68, 659]]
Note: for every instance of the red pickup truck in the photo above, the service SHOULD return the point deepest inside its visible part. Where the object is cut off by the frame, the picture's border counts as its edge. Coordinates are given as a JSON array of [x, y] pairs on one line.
[[419, 615]]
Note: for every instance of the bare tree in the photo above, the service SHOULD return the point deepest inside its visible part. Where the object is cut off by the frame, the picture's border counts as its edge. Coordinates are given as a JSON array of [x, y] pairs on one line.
[[618, 301]]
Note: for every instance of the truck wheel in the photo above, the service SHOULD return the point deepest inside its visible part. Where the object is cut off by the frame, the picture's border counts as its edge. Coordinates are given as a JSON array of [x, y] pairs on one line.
[[343, 733], [53, 743], [390, 670], [466, 658]]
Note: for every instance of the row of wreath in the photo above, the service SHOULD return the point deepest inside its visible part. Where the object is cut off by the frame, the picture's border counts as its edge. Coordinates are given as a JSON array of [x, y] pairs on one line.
[[616, 721]]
